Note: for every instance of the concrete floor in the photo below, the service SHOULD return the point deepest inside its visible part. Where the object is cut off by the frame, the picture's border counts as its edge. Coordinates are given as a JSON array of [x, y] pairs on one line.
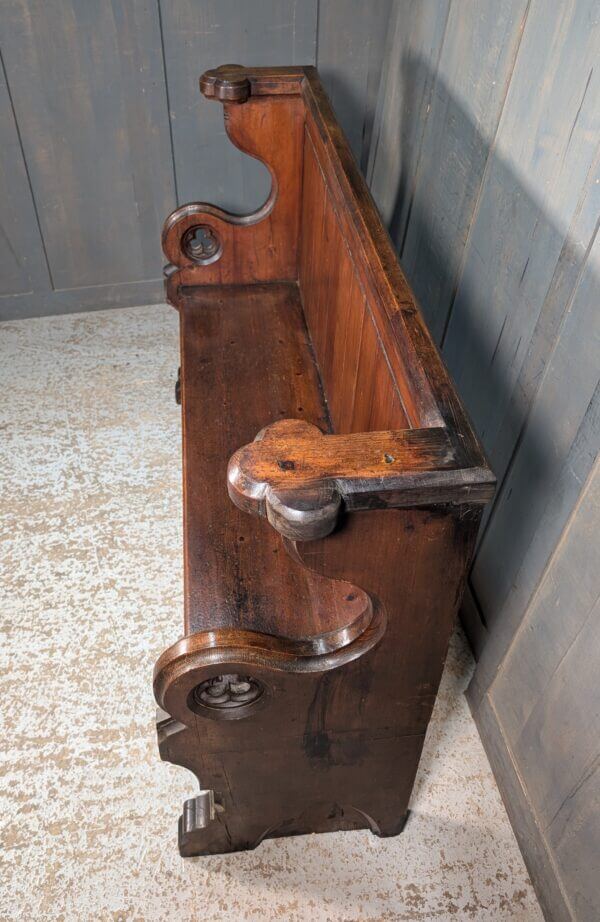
[[90, 538]]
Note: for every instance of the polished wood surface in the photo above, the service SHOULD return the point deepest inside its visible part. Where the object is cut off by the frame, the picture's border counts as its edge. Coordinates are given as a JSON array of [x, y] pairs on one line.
[[338, 314], [333, 490]]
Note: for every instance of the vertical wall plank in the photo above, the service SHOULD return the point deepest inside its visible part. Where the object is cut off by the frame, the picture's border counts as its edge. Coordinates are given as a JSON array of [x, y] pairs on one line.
[[485, 163], [573, 835], [350, 44], [198, 36], [569, 267], [88, 93], [548, 704], [22, 262], [473, 73], [546, 146], [559, 611], [415, 34], [546, 694], [498, 306], [555, 454]]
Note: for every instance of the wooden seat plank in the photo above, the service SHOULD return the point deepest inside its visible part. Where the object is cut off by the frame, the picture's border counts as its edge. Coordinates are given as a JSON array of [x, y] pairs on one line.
[[246, 361]]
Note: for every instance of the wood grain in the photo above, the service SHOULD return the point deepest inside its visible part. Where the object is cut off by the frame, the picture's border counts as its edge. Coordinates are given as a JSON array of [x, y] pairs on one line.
[[300, 479], [261, 246], [341, 325], [236, 573], [428, 396]]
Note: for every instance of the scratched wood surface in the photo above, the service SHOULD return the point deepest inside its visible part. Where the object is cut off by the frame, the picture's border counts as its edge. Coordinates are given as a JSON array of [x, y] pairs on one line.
[[485, 163], [219, 573]]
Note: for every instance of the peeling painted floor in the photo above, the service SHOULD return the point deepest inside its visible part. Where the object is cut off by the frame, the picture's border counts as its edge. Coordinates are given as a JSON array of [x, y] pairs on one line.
[[90, 539]]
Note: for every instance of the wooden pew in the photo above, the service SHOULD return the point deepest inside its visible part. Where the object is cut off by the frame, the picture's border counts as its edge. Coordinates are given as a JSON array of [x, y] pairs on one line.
[[333, 489]]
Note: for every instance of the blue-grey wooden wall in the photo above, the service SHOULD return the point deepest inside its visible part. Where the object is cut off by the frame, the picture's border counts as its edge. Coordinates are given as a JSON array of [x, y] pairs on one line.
[[485, 163], [104, 130]]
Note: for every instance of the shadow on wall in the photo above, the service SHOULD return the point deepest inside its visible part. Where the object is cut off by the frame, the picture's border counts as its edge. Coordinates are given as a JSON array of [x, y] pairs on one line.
[[355, 117], [497, 318]]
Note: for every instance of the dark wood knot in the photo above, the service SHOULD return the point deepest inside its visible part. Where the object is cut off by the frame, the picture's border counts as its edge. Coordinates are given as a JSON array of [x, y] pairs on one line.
[[227, 83]]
